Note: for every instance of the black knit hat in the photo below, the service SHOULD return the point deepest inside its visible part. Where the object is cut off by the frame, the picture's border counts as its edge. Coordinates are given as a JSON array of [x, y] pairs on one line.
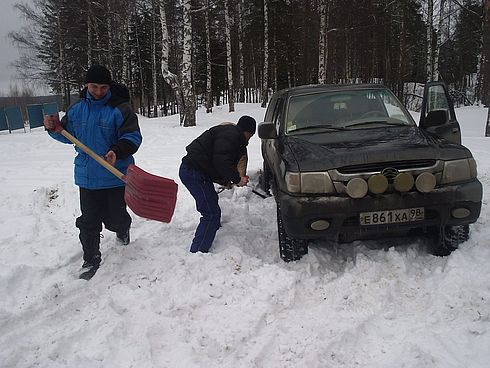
[[247, 124], [98, 74]]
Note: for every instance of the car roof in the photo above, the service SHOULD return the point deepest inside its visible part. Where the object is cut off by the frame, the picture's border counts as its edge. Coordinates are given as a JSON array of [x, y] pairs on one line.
[[312, 88]]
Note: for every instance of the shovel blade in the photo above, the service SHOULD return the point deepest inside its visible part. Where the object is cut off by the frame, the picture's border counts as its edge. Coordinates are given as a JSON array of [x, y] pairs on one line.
[[150, 196]]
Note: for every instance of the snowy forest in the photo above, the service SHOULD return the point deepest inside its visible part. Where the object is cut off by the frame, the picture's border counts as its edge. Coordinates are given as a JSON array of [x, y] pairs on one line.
[[175, 55]]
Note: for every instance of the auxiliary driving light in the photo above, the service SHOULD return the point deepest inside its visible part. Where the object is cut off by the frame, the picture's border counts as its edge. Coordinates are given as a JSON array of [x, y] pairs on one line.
[[403, 182], [320, 225], [460, 213], [425, 182], [357, 188], [377, 184]]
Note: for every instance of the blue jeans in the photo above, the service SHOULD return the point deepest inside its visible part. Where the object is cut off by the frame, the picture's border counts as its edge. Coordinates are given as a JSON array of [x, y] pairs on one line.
[[202, 189]]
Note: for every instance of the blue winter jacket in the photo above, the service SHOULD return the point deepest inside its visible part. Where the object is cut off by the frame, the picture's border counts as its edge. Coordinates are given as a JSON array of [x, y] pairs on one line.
[[102, 125]]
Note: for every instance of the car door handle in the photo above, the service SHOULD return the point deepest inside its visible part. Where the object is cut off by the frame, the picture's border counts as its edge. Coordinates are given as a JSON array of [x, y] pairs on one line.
[[455, 130]]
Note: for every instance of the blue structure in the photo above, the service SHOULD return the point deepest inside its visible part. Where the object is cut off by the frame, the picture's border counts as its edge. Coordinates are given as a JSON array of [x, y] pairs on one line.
[[14, 118], [11, 117], [3, 120], [35, 115], [50, 108]]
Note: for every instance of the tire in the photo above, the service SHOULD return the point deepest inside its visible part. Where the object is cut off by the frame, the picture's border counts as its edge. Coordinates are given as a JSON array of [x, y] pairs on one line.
[[265, 178], [289, 249], [448, 238]]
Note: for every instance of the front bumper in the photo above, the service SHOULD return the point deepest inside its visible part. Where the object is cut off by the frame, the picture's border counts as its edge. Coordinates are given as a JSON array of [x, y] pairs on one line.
[[342, 213]]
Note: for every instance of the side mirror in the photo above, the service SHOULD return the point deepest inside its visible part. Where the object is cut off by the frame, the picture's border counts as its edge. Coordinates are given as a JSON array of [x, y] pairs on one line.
[[267, 130], [436, 118]]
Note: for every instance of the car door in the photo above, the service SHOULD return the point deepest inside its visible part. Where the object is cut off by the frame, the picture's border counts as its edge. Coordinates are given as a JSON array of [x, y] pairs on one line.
[[276, 144], [437, 115], [269, 131]]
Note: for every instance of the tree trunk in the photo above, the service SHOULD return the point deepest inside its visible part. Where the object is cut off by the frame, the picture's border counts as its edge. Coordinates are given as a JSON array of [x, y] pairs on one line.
[[209, 92], [229, 64], [439, 39], [401, 52], [110, 38], [154, 60], [322, 75], [485, 85], [430, 51], [347, 47], [487, 130], [188, 115], [125, 47], [265, 78], [61, 63], [169, 77], [241, 75], [89, 33]]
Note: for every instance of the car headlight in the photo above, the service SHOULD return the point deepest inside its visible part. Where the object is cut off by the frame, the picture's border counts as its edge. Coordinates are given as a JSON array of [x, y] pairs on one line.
[[309, 182], [293, 182], [458, 170]]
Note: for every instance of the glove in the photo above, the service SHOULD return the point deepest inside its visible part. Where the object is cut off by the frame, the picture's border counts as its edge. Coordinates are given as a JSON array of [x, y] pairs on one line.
[[51, 122]]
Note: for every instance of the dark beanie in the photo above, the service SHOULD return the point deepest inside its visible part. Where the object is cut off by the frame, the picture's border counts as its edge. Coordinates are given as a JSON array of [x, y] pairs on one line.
[[247, 124], [98, 74]]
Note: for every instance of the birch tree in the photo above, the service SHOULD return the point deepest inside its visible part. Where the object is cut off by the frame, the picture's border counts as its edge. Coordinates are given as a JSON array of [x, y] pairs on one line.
[[167, 75], [89, 33], [265, 73], [241, 73], [442, 4], [486, 59], [128, 17], [430, 49], [188, 115], [229, 63], [486, 64], [65, 99], [277, 44], [322, 47], [209, 92], [154, 59], [110, 37]]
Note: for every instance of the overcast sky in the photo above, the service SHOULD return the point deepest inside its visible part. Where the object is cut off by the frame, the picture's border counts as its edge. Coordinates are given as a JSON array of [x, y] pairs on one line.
[[10, 20]]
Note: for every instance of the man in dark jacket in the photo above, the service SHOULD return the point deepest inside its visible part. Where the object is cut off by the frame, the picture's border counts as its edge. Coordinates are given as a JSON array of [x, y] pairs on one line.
[[104, 121], [213, 157]]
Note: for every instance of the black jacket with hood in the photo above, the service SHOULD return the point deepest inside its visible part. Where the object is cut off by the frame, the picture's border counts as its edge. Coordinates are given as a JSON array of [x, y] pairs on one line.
[[216, 153]]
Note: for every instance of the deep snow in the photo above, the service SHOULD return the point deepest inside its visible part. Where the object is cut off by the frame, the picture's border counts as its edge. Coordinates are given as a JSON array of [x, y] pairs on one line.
[[154, 304]]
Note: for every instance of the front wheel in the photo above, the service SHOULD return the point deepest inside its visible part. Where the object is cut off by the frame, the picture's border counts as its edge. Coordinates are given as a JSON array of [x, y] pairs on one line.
[[289, 249], [265, 178], [449, 238]]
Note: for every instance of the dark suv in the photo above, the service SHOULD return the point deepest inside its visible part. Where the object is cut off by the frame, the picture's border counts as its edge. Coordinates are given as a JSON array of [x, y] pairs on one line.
[[348, 162]]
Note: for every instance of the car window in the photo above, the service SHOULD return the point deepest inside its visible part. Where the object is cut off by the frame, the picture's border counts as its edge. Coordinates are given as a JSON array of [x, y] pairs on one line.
[[277, 115], [341, 109], [270, 110], [393, 107], [437, 99]]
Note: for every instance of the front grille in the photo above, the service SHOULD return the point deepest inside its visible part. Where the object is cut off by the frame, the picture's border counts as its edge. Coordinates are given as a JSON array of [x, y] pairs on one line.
[[380, 166]]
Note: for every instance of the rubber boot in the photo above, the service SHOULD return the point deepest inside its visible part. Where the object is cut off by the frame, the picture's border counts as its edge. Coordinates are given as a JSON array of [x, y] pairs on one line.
[[90, 245]]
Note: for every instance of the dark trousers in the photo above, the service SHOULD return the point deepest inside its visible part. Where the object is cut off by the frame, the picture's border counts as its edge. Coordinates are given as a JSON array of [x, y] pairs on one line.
[[101, 206], [202, 189]]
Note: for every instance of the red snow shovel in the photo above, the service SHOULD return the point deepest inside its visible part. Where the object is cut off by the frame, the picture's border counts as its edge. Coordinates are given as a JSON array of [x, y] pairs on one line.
[[148, 195]]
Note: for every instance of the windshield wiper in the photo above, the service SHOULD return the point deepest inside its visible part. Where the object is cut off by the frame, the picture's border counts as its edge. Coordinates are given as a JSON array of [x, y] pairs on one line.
[[321, 126], [375, 122]]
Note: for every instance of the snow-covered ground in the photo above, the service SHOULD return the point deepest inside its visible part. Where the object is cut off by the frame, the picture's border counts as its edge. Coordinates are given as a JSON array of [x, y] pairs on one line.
[[154, 304]]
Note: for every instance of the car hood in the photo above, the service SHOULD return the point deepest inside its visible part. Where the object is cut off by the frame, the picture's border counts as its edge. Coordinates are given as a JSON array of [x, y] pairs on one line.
[[324, 151]]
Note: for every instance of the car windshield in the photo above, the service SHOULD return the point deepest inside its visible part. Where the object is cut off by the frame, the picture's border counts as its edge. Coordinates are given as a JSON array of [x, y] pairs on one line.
[[345, 110]]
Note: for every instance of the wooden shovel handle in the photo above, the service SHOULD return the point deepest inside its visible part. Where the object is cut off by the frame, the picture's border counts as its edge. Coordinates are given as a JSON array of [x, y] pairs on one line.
[[92, 154]]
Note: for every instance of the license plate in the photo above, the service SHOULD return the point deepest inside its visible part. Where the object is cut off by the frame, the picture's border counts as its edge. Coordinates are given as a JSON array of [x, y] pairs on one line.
[[392, 216]]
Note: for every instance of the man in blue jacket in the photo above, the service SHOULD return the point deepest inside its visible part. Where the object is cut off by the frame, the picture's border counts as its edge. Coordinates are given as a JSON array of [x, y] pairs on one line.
[[104, 121]]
